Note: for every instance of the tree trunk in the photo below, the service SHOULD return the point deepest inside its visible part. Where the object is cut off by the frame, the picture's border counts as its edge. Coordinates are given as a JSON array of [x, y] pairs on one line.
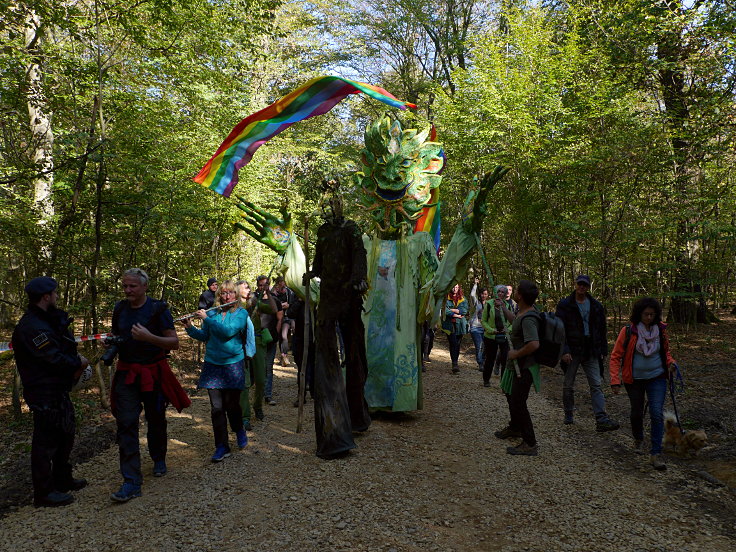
[[40, 123]]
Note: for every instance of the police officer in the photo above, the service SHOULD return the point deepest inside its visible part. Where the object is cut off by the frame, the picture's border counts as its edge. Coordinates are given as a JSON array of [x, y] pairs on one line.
[[47, 359]]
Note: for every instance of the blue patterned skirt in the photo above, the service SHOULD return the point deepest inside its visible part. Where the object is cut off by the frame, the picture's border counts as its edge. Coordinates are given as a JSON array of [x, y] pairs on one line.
[[222, 376]]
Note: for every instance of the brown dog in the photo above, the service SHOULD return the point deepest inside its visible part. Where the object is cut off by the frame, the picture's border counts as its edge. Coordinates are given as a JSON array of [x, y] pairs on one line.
[[688, 443]]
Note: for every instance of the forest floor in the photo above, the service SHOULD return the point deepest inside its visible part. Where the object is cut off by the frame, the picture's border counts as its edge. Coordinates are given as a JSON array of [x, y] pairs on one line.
[[431, 480]]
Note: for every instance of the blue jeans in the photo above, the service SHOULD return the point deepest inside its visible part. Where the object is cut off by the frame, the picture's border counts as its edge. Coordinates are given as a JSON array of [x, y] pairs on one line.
[[476, 332], [655, 390], [592, 370], [270, 356]]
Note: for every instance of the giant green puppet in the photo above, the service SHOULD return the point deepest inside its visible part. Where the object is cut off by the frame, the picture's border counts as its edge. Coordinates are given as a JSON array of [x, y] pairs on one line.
[[407, 283]]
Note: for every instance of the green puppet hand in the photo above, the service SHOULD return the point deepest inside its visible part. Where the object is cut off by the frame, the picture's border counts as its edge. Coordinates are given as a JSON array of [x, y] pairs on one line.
[[474, 209], [266, 228]]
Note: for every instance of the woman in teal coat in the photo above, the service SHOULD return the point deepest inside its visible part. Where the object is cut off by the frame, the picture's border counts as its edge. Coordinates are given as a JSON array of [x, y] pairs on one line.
[[455, 325], [229, 336]]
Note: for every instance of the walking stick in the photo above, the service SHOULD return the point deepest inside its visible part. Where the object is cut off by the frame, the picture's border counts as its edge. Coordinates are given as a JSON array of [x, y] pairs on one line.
[[307, 324]]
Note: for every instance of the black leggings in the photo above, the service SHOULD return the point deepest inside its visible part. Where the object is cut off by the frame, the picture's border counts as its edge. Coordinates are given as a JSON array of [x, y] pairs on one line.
[[491, 346], [225, 406]]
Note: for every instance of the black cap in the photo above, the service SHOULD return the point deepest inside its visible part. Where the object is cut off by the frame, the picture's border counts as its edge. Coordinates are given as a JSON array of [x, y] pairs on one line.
[[583, 278], [41, 285], [211, 281]]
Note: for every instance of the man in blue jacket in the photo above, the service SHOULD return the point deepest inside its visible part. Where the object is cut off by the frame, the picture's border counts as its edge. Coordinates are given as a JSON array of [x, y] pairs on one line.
[[48, 363], [585, 345]]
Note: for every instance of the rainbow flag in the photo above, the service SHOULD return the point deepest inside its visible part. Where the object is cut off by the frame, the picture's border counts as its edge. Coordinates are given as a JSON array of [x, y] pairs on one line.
[[316, 97]]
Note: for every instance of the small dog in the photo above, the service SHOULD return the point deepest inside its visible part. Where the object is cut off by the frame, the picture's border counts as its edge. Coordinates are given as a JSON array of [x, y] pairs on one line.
[[688, 443]]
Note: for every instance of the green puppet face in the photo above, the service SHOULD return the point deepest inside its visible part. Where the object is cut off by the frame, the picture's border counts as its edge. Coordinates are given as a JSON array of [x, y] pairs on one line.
[[401, 169]]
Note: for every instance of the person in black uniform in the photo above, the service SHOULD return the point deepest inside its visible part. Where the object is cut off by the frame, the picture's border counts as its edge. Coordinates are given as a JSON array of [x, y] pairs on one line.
[[143, 379], [47, 359]]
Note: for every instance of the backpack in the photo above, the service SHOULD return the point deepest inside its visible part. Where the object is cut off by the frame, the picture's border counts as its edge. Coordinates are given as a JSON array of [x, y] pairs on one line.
[[551, 338]]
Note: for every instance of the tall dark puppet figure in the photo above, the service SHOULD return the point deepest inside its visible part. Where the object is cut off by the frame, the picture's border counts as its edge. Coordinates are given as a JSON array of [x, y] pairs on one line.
[[340, 262]]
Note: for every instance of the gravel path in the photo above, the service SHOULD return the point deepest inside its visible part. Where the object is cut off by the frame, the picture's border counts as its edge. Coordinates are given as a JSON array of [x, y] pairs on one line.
[[433, 480]]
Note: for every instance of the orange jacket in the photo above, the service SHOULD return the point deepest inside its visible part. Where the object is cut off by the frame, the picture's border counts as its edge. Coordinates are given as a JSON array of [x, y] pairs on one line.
[[622, 361]]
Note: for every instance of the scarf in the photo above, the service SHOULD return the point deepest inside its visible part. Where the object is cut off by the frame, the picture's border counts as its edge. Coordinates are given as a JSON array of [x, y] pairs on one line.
[[648, 342]]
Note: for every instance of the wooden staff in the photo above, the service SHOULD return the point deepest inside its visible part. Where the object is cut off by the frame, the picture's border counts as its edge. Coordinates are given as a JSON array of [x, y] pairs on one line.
[[307, 325]]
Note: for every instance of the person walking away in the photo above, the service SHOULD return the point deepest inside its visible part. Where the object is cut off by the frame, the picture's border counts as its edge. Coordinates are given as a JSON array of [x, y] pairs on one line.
[[496, 319], [207, 299], [478, 297], [585, 345], [48, 363], [524, 341], [230, 339], [642, 361], [455, 325], [143, 380]]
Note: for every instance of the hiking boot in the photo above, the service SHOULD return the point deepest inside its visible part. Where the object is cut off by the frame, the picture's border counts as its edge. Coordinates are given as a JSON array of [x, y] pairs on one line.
[[259, 413], [568, 418], [606, 425], [497, 370], [284, 361], [486, 384], [657, 463], [522, 449], [507, 433], [247, 426], [53, 499], [270, 401], [242, 438], [480, 368], [126, 492], [221, 452], [72, 485], [455, 369], [159, 468], [639, 446]]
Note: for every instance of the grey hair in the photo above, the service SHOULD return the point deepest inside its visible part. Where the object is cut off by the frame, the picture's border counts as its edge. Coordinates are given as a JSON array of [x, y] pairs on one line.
[[137, 273], [500, 287]]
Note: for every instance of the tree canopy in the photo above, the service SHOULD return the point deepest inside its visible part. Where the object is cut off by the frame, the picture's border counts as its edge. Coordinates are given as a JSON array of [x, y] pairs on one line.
[[617, 118]]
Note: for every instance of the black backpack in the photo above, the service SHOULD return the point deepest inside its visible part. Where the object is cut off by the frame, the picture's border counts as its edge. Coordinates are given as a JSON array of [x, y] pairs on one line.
[[551, 338]]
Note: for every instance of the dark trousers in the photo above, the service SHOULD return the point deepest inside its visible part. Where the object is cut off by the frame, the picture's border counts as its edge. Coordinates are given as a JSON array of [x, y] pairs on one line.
[[333, 427], [427, 340], [454, 340], [491, 348], [129, 402], [53, 439], [521, 420], [225, 406]]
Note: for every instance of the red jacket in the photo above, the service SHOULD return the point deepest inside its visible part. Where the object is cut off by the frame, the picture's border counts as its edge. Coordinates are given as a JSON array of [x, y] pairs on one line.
[[622, 361], [150, 374]]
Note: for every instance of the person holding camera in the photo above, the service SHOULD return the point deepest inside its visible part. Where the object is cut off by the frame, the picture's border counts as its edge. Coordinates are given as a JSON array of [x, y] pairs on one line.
[[143, 379], [230, 338], [48, 363]]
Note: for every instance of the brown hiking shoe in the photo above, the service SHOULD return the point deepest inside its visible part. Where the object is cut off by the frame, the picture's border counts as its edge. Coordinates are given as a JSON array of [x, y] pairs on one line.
[[657, 463], [522, 449], [507, 433], [638, 446]]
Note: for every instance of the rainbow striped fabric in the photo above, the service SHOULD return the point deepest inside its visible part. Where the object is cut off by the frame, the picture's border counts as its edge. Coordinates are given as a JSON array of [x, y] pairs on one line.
[[316, 97], [430, 219]]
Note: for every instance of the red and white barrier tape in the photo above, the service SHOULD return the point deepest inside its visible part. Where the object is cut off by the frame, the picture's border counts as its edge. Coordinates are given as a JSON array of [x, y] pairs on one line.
[[8, 346]]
